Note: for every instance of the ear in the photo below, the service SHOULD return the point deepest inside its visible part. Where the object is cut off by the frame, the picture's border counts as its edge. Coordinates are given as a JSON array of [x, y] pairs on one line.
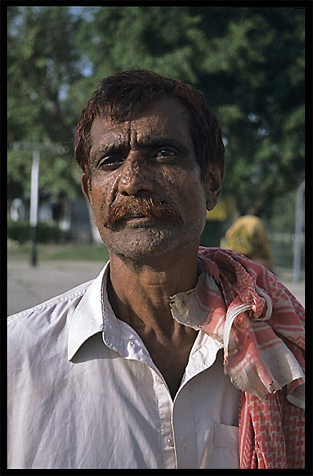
[[213, 184], [85, 179]]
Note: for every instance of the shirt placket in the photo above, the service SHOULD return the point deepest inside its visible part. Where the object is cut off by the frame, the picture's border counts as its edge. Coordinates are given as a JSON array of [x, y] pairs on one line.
[[184, 431], [165, 409]]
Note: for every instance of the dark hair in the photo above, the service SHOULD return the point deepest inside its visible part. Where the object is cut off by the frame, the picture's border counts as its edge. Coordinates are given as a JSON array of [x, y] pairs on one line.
[[128, 92]]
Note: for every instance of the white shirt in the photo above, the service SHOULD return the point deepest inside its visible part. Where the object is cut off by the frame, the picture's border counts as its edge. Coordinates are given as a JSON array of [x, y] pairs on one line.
[[83, 392]]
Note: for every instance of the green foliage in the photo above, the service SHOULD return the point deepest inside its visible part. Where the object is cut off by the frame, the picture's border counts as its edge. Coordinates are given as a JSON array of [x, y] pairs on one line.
[[249, 62], [42, 61], [20, 232], [280, 219]]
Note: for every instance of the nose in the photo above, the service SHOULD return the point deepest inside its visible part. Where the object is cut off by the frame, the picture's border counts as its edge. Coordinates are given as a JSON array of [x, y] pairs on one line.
[[135, 177]]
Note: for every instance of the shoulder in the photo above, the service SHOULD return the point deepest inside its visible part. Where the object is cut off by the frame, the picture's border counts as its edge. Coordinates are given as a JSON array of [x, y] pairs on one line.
[[45, 320], [61, 301]]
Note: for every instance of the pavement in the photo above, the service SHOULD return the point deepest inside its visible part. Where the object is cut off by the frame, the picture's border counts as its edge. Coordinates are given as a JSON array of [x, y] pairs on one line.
[[30, 285]]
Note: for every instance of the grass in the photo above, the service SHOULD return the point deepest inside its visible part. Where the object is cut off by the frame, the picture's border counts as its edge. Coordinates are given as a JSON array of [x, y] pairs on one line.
[[66, 251]]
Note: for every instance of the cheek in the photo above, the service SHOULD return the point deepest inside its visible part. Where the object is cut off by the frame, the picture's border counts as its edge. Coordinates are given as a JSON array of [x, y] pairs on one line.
[[188, 190], [99, 198]]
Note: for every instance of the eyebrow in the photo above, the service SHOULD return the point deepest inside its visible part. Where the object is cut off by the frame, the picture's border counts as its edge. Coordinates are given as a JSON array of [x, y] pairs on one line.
[[159, 140], [112, 145], [149, 140], [107, 149]]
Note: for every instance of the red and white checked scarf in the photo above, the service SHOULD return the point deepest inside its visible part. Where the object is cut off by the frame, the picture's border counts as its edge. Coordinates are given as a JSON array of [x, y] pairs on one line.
[[261, 326]]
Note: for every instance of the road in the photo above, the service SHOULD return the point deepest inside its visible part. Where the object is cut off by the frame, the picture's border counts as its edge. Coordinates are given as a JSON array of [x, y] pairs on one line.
[[28, 286]]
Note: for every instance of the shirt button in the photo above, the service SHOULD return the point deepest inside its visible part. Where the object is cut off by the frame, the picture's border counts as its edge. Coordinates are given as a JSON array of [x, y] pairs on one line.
[[169, 441]]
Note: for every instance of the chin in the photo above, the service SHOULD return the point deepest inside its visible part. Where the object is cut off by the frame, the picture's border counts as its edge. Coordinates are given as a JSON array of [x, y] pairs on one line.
[[143, 247]]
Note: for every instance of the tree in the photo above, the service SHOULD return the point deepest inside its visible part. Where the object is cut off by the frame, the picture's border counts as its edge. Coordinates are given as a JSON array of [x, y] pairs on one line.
[[42, 62], [264, 120]]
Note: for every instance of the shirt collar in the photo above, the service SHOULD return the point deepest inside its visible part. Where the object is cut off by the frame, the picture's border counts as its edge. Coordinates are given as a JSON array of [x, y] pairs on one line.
[[87, 318], [94, 314]]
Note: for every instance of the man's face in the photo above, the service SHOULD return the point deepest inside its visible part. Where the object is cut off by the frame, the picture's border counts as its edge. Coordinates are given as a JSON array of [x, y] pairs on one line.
[[145, 183]]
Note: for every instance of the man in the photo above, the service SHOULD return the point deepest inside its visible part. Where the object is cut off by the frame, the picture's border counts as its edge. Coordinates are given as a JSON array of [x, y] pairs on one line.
[[127, 371]]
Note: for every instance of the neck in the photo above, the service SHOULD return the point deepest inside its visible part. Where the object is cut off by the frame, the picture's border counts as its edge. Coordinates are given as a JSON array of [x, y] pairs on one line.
[[140, 294], [140, 297]]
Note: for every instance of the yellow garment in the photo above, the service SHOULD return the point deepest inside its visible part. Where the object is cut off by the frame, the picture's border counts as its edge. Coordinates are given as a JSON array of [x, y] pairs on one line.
[[248, 236]]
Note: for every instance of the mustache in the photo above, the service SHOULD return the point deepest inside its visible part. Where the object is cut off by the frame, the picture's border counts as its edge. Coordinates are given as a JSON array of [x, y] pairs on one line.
[[141, 207]]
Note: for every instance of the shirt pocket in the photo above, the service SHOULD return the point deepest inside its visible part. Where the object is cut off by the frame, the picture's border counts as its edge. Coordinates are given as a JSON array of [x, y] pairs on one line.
[[223, 450], [225, 446]]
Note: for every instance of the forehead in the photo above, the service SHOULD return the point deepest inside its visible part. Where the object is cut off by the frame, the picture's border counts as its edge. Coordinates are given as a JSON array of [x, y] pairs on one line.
[[167, 117]]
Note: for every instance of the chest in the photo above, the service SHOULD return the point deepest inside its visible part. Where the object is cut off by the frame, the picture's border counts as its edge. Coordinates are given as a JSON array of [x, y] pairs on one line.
[[122, 416], [171, 360], [172, 370]]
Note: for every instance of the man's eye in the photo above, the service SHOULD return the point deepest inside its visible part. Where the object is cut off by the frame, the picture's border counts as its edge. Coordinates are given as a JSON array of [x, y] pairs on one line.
[[165, 152], [110, 163]]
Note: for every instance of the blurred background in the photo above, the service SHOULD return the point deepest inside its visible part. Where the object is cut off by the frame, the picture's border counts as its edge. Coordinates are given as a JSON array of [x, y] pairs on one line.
[[249, 62]]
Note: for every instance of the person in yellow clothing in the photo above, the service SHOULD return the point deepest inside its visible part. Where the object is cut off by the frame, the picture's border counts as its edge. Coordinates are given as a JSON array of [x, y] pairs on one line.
[[248, 236]]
